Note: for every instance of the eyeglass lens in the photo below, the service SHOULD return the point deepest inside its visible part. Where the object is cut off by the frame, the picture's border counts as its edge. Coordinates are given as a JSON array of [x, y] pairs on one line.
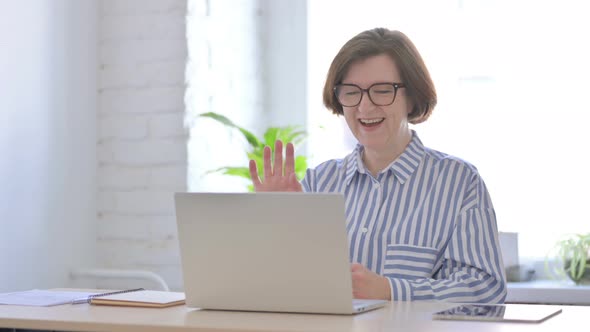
[[380, 94]]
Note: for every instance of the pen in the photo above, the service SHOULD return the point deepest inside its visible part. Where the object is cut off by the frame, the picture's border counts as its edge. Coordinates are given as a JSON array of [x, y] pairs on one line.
[[82, 300], [90, 297]]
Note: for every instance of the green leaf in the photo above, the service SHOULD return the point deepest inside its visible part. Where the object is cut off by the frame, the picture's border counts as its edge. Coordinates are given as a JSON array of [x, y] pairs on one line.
[[572, 253], [578, 271], [270, 136], [238, 171], [287, 134], [292, 134], [300, 167], [296, 137], [251, 138]]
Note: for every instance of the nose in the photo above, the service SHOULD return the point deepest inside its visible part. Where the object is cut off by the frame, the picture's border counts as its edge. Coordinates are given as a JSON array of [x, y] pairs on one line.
[[366, 103]]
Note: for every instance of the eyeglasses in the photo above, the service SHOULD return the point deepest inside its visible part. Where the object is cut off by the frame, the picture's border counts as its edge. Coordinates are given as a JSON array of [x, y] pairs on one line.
[[381, 94]]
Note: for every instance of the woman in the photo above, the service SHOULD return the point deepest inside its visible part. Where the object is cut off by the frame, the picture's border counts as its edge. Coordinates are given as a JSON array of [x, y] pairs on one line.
[[421, 225]]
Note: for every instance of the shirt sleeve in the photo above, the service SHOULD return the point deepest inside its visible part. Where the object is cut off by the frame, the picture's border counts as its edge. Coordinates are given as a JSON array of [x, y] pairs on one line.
[[471, 269]]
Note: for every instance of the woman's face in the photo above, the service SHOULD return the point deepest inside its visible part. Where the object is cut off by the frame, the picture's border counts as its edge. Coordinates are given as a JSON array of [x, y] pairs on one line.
[[377, 127]]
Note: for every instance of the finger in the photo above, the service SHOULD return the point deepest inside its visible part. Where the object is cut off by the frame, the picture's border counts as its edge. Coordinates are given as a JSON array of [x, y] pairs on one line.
[[254, 174], [267, 163], [290, 159], [355, 267], [278, 166]]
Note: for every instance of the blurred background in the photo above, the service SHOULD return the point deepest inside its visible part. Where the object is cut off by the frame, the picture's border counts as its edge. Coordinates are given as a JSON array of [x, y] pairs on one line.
[[99, 126]]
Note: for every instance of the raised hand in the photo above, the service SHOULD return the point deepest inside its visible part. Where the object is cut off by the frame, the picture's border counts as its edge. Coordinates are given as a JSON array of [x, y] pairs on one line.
[[276, 177]]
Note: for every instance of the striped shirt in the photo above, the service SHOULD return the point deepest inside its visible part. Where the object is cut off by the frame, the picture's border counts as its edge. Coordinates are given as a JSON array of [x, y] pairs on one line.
[[426, 222]]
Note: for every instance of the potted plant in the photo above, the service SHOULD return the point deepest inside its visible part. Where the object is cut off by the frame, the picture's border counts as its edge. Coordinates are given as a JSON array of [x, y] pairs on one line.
[[573, 257], [255, 147]]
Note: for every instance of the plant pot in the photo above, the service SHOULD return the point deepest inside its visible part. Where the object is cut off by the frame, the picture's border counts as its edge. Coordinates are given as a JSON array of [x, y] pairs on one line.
[[585, 279]]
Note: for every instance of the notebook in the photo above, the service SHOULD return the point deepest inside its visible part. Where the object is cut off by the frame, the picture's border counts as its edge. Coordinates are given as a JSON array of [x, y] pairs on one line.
[[279, 252], [139, 298]]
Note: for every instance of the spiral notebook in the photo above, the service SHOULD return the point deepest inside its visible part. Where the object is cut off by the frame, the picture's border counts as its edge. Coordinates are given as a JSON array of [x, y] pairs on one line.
[[136, 298]]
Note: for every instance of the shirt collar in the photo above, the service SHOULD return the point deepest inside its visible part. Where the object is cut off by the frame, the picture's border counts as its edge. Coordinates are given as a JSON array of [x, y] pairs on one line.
[[402, 167]]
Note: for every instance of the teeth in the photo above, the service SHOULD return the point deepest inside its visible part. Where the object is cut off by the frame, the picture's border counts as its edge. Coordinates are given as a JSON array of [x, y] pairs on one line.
[[370, 121]]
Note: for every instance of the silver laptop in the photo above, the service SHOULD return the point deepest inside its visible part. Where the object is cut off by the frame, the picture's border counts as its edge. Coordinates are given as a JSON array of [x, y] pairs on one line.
[[285, 252]]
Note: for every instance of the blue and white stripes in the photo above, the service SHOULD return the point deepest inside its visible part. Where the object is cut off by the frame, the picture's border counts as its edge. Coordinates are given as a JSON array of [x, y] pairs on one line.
[[426, 222]]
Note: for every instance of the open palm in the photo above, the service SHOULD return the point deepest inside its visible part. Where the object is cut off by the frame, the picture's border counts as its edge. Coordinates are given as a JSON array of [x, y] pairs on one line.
[[277, 177]]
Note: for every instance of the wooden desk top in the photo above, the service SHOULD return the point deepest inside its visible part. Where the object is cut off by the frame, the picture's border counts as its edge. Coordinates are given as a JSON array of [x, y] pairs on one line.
[[398, 316]]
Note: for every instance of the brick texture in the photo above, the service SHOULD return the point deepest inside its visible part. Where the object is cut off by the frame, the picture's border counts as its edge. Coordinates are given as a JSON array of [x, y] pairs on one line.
[[144, 149], [142, 143]]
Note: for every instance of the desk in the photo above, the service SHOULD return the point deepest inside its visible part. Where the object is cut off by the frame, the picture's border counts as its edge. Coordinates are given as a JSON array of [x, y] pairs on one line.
[[398, 316]]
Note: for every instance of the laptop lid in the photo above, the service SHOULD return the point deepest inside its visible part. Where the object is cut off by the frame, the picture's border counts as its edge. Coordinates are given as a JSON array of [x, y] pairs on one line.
[[265, 251]]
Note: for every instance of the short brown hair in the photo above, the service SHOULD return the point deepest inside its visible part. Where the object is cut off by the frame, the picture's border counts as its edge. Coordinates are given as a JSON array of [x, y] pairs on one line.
[[419, 86]]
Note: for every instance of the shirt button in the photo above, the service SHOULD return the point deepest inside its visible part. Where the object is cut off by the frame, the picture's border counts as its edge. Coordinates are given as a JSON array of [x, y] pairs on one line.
[[377, 185], [364, 229]]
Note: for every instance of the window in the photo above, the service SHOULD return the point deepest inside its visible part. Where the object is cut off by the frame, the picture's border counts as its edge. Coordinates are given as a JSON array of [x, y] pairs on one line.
[[512, 83]]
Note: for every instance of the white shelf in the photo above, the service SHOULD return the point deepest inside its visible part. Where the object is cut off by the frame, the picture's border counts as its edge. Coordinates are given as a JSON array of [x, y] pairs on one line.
[[549, 292]]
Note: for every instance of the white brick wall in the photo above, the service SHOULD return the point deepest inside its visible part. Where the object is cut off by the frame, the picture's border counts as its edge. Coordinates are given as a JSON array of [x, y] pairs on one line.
[[142, 145], [142, 141]]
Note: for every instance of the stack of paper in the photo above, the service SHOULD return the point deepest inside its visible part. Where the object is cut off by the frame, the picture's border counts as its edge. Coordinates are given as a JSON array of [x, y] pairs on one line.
[[42, 298]]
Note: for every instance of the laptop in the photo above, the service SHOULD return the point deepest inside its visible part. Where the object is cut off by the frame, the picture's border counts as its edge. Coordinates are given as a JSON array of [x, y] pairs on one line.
[[276, 252]]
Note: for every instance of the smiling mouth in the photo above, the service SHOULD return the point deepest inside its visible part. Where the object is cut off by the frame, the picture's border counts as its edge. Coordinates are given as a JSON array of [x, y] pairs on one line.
[[371, 122]]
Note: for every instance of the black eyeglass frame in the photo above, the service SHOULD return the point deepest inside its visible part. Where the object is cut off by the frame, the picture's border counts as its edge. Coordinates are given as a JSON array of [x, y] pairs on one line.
[[396, 86]]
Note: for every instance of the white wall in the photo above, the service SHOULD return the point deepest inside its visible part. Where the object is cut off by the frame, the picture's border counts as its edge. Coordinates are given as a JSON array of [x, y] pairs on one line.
[[285, 53], [142, 153], [142, 143], [47, 141], [247, 62], [225, 75], [87, 171]]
